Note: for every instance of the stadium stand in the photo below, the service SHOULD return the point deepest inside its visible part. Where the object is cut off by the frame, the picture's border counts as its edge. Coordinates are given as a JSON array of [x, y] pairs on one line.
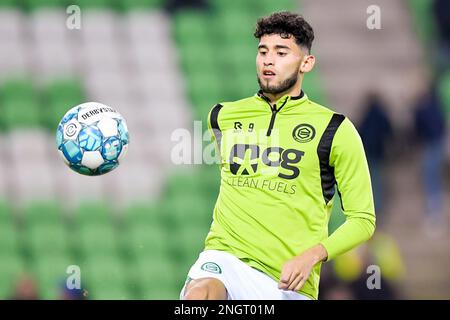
[[135, 232]]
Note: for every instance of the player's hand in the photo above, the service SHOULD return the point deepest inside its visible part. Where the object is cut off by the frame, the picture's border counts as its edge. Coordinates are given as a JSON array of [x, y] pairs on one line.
[[296, 271]]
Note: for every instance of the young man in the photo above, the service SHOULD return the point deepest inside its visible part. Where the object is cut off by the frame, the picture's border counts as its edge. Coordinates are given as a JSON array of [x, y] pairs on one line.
[[281, 157]]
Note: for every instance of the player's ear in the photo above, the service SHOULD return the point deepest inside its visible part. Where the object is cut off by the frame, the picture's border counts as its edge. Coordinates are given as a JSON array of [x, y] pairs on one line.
[[307, 64]]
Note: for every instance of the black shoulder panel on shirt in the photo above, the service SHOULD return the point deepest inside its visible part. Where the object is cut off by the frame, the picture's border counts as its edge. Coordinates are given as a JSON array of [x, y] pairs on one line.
[[327, 177], [213, 120]]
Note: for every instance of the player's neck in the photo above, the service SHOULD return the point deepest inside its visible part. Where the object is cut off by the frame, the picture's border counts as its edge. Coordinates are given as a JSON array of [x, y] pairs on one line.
[[293, 91]]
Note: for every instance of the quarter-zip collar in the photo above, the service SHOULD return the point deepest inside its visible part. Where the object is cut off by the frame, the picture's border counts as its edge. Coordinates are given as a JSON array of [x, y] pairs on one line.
[[284, 102]]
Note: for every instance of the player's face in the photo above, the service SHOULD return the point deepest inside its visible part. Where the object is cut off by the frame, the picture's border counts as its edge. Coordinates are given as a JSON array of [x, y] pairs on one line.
[[278, 63]]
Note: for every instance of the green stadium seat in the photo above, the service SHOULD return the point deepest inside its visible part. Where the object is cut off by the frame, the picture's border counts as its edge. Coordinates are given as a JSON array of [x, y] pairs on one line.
[[6, 214], [243, 55], [51, 238], [225, 23], [269, 6], [18, 88], [181, 181], [205, 86], [95, 4], [189, 242], [202, 80], [192, 26], [60, 96], [421, 11], [190, 197], [224, 5], [234, 65], [56, 109], [96, 239], [11, 268], [9, 4], [312, 87], [19, 104], [43, 211], [21, 113], [202, 105], [444, 92], [62, 89], [110, 292], [143, 213], [93, 212], [210, 177], [187, 208], [204, 182], [9, 238], [199, 57], [161, 293], [148, 239], [245, 85], [101, 272], [130, 5], [156, 276], [44, 4]]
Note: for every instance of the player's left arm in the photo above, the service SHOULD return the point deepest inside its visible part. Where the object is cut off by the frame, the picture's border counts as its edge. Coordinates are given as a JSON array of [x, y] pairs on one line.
[[352, 175]]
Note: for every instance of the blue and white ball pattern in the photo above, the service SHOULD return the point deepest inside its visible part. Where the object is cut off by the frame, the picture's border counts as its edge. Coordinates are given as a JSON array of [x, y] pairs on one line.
[[92, 138]]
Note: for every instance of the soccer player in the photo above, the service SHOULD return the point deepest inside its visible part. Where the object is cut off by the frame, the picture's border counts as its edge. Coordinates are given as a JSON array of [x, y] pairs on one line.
[[283, 157]]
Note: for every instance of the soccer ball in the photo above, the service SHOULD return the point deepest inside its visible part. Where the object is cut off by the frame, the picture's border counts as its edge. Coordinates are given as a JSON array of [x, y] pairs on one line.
[[92, 138]]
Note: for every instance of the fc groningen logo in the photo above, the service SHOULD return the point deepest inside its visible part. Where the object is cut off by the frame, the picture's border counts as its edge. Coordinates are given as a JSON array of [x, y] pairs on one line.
[[211, 267], [304, 133]]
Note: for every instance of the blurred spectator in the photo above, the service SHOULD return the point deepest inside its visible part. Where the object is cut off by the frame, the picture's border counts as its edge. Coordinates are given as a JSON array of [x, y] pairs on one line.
[[361, 292], [331, 288], [336, 276], [349, 276], [25, 289], [382, 252], [441, 10], [71, 294], [375, 131], [430, 128]]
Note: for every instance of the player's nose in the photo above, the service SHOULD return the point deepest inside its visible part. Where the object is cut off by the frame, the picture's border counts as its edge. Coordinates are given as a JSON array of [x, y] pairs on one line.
[[268, 60]]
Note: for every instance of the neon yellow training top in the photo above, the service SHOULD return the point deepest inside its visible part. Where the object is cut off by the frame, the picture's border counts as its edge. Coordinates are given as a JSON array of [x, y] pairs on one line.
[[279, 167]]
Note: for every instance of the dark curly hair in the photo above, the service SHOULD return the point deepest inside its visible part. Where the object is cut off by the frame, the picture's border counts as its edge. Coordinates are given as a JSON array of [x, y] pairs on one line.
[[286, 24]]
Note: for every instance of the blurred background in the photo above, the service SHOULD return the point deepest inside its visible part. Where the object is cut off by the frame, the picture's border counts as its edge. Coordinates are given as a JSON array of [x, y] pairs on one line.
[[162, 64]]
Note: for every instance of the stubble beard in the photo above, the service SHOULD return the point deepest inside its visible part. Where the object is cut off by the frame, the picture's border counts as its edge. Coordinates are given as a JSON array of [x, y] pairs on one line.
[[282, 87]]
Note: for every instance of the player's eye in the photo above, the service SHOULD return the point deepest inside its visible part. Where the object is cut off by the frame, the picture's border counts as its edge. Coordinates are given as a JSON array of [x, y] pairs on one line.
[[282, 54], [263, 53]]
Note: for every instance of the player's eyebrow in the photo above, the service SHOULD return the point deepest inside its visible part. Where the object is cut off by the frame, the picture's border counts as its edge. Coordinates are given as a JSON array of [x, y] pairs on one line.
[[278, 46]]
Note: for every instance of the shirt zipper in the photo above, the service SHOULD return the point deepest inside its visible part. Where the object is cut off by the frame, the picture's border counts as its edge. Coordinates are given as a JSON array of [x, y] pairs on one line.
[[274, 114]]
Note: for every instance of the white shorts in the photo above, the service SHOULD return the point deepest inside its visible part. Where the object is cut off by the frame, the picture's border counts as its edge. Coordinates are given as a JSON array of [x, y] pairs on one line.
[[241, 281]]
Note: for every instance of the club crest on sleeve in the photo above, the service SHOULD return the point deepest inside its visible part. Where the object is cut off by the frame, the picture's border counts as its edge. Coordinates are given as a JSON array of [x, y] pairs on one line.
[[211, 267]]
